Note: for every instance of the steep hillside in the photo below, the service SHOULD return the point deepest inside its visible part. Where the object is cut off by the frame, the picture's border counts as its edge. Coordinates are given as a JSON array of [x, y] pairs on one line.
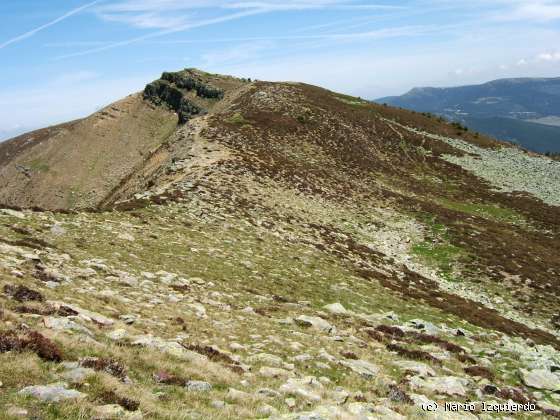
[[523, 110], [79, 165], [286, 252]]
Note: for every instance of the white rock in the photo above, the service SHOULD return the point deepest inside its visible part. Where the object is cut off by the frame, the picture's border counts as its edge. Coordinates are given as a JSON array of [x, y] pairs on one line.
[[126, 237], [13, 213], [265, 358], [58, 230], [541, 379], [170, 347], [361, 367], [336, 308], [449, 385], [236, 395], [77, 375], [108, 412], [118, 334], [64, 324], [273, 372], [314, 322], [84, 313], [421, 369], [52, 393], [308, 388], [198, 386]]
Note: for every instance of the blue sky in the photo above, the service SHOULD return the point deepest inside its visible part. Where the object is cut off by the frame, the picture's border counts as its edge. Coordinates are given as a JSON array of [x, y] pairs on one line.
[[63, 59]]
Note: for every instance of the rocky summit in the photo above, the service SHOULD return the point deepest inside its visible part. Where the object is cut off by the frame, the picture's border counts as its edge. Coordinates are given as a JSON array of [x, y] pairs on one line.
[[222, 248]]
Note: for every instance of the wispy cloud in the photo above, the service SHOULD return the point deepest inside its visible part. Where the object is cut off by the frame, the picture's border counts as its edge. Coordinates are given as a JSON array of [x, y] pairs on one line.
[[530, 10], [202, 23], [32, 32], [173, 16]]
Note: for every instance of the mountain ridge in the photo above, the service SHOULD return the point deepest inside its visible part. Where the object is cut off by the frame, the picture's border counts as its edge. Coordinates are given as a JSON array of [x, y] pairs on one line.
[[516, 109]]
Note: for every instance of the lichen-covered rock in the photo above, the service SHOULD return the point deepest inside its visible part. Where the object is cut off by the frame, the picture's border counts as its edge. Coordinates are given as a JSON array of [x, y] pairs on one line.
[[541, 379], [186, 80], [52, 393], [161, 92]]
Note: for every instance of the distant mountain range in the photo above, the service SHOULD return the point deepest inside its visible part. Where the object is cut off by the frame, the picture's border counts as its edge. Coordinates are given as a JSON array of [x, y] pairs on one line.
[[525, 111]]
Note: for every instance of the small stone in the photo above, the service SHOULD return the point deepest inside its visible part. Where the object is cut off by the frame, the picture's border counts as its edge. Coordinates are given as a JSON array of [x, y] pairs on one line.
[[336, 308], [265, 358], [268, 393], [108, 412], [363, 368], [314, 322], [52, 393], [64, 324], [118, 334], [126, 237], [13, 213], [419, 368], [14, 411], [58, 230], [77, 375], [290, 402], [198, 386], [308, 388], [266, 410], [448, 385], [272, 372], [218, 404], [236, 395]]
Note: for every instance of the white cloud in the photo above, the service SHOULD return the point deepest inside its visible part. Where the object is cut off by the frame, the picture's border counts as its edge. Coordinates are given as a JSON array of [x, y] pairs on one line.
[[530, 10], [32, 32], [549, 56]]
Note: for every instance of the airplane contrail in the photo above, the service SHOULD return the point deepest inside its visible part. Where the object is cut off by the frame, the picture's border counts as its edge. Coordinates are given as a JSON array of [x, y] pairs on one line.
[[29, 34]]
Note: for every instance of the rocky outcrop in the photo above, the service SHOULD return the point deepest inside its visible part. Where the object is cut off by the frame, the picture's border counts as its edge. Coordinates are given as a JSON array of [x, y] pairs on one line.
[[173, 90], [161, 92], [187, 80]]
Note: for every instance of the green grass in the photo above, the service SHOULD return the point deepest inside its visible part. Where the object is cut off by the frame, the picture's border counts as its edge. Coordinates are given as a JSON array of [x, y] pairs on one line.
[[437, 251], [39, 166], [238, 119], [442, 256], [487, 211], [351, 100]]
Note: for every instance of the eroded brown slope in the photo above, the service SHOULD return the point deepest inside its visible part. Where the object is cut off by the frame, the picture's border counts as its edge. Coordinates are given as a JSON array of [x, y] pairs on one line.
[[77, 164]]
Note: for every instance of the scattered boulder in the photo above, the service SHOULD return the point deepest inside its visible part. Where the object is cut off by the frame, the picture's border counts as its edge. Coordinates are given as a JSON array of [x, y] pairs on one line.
[[336, 308], [236, 395], [108, 412], [308, 388], [273, 372], [419, 368], [77, 375], [170, 347], [85, 314], [52, 393], [198, 386], [314, 322], [265, 358], [448, 385], [65, 324], [361, 367], [541, 379]]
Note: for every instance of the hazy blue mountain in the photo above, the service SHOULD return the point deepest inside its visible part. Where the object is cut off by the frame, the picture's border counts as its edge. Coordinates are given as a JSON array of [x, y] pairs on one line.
[[525, 110]]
